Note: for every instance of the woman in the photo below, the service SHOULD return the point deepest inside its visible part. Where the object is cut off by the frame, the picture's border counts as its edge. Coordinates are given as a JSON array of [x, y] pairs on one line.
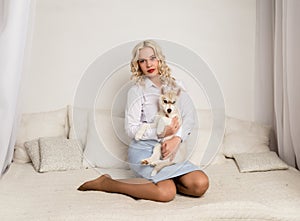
[[150, 72]]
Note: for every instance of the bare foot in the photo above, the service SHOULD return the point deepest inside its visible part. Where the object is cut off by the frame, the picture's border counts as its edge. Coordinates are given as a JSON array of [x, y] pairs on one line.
[[96, 184]]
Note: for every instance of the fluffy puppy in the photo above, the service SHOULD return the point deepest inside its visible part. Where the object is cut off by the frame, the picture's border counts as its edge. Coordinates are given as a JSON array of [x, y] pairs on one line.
[[167, 111]]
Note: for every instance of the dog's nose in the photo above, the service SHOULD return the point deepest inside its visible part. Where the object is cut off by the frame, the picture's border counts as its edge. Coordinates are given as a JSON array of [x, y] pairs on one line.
[[169, 110]]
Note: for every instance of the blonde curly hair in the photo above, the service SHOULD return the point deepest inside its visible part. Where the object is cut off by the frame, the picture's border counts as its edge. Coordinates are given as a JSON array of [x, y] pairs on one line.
[[163, 68]]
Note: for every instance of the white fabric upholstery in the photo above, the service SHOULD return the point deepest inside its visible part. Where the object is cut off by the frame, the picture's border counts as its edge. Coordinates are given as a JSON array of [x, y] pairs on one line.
[[106, 145], [33, 150], [59, 154], [35, 125], [254, 162], [245, 137], [54, 154], [199, 143], [78, 123], [103, 148], [232, 195], [201, 136]]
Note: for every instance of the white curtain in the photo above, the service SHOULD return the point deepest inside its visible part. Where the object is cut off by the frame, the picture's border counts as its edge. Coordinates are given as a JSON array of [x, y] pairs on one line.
[[278, 73], [287, 79], [264, 90], [14, 26]]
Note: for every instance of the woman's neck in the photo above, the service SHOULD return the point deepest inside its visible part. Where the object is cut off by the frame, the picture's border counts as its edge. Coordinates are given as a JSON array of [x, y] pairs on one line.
[[156, 80]]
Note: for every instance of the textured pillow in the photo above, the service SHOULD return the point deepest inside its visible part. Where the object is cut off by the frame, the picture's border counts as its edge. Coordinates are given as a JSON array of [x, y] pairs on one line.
[[245, 137], [103, 148], [33, 150], [59, 154], [78, 123], [35, 125], [254, 162]]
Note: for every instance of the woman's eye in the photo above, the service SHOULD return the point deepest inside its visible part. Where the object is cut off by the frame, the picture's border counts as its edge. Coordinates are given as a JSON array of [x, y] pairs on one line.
[[141, 61], [165, 101], [153, 58]]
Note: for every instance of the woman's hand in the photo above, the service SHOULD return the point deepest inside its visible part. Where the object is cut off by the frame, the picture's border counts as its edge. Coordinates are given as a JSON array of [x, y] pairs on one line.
[[169, 147]]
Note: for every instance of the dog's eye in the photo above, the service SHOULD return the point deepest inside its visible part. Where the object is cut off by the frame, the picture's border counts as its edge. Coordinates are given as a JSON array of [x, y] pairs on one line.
[[165, 101], [173, 102]]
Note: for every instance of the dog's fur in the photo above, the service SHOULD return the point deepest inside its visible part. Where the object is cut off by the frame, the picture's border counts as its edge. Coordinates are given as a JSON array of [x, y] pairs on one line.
[[167, 111]]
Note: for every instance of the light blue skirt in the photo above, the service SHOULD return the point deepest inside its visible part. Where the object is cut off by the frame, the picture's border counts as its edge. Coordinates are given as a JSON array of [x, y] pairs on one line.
[[139, 150]]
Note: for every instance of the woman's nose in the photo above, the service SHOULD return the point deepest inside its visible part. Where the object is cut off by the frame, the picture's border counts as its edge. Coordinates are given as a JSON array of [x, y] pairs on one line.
[[149, 63]]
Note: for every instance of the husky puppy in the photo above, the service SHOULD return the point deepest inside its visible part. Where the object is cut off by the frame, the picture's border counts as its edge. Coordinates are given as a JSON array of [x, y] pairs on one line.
[[167, 111]]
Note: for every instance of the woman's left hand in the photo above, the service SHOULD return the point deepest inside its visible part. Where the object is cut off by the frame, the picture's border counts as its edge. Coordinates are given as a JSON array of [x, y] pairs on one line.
[[169, 147]]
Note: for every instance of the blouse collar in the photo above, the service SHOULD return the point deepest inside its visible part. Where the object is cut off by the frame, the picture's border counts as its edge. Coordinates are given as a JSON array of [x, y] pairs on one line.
[[149, 83]]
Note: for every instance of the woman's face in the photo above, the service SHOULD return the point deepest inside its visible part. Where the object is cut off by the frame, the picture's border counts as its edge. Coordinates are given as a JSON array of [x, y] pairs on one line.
[[148, 62]]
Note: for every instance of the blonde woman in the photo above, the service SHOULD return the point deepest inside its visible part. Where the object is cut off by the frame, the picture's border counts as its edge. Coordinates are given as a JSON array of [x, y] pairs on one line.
[[150, 72]]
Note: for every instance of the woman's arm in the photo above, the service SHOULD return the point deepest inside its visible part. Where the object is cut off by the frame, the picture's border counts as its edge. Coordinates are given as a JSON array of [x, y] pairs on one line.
[[188, 115], [133, 114]]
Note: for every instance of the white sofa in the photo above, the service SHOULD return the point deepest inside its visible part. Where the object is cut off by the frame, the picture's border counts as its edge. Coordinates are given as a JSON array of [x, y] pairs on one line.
[[252, 183]]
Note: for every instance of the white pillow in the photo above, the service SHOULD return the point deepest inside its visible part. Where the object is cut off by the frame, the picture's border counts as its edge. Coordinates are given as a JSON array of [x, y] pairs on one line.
[[78, 123], [200, 138], [33, 150], [118, 126], [59, 154], [35, 125], [105, 150], [204, 119], [198, 141], [20, 155], [245, 137], [254, 162], [54, 154]]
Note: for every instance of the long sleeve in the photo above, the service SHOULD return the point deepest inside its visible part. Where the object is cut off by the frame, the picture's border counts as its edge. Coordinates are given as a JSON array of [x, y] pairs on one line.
[[138, 108], [188, 115]]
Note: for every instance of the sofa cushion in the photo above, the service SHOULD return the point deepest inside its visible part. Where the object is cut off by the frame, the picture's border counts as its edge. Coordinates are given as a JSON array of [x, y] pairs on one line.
[[245, 137], [256, 162], [104, 148], [35, 125]]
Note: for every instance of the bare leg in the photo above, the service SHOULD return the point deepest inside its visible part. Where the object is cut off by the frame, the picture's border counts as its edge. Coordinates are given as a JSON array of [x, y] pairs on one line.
[[163, 191], [193, 184]]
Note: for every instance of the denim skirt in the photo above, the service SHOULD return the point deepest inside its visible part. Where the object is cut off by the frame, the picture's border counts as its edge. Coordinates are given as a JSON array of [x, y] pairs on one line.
[[139, 150]]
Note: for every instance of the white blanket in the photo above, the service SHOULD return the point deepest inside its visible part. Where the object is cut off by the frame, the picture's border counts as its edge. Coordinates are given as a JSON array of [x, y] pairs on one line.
[[28, 195]]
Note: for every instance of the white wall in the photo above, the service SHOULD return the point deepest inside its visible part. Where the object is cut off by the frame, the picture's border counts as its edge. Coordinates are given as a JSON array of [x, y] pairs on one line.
[[70, 34]]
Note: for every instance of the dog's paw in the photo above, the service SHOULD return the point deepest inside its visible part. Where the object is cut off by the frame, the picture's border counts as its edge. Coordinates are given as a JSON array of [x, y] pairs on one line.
[[138, 136], [153, 164], [140, 133], [145, 162]]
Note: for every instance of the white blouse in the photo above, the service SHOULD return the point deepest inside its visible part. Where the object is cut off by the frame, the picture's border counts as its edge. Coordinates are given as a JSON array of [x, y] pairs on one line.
[[142, 107]]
